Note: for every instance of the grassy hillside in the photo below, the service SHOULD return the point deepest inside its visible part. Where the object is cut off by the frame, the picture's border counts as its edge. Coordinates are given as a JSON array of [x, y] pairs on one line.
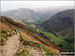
[[61, 24], [27, 33], [59, 40]]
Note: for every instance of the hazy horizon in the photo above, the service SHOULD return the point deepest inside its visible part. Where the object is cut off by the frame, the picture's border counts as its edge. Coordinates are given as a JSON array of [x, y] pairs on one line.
[[5, 5]]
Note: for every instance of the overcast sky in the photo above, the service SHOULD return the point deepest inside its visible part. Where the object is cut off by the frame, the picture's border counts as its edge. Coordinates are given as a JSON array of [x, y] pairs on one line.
[[9, 5]]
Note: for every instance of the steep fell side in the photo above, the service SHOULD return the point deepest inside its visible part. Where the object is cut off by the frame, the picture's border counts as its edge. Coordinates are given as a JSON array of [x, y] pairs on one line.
[[28, 34]]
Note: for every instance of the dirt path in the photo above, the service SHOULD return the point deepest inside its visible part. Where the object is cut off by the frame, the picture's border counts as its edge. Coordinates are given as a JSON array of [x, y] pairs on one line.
[[12, 45]]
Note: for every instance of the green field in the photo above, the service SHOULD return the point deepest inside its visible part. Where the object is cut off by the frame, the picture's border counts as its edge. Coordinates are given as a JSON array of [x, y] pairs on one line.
[[58, 40]]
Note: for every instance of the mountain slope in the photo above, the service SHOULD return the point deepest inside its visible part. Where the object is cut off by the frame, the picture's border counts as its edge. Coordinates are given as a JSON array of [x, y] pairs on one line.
[[36, 15], [61, 24], [61, 21], [27, 34], [48, 12], [22, 14]]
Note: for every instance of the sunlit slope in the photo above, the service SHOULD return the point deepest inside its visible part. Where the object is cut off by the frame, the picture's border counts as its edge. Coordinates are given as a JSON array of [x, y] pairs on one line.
[[28, 33]]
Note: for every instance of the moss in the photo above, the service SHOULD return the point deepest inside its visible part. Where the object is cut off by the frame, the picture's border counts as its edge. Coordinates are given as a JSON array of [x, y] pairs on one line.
[[23, 53], [3, 35], [6, 33]]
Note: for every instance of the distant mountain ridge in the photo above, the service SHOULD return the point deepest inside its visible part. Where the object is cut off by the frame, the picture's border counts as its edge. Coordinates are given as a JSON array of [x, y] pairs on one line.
[[48, 12], [34, 15], [22, 14], [60, 20]]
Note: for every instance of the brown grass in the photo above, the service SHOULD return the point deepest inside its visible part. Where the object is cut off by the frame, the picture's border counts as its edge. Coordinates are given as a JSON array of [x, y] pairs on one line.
[[29, 34]]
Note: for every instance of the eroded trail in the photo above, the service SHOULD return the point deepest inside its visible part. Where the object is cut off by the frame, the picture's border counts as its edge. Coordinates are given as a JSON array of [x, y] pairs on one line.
[[11, 46]]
